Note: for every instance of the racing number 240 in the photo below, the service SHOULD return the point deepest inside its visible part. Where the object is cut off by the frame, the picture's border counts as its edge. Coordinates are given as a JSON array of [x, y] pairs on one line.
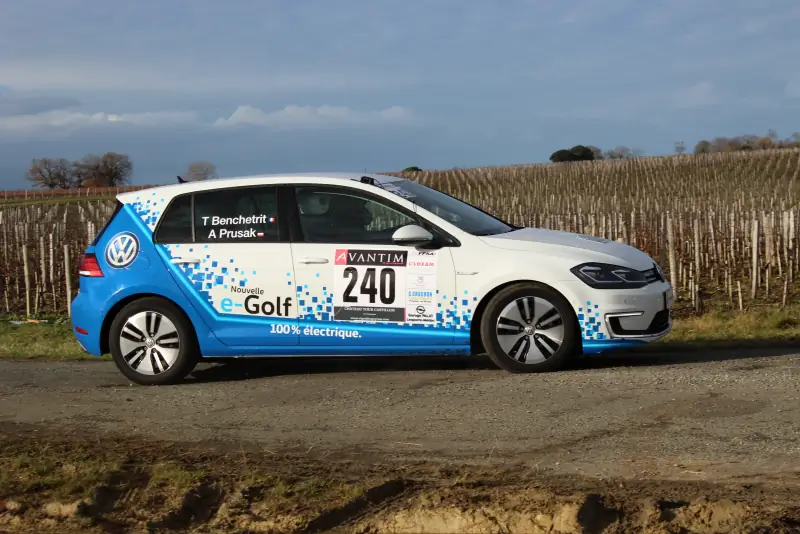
[[387, 289]]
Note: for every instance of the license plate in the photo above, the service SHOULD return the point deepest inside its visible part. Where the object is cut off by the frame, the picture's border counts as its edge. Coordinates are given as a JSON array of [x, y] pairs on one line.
[[669, 299]]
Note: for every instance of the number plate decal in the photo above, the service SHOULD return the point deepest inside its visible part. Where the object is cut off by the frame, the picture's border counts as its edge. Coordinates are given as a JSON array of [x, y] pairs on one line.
[[393, 286]]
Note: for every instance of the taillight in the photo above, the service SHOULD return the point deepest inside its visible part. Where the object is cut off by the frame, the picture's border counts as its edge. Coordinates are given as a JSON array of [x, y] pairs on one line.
[[89, 266]]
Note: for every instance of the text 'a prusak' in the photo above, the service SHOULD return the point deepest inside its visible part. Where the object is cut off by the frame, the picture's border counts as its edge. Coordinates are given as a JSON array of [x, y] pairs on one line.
[[238, 220]]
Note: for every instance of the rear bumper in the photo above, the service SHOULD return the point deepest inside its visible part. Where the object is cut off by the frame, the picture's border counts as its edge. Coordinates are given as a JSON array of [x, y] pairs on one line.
[[87, 322]]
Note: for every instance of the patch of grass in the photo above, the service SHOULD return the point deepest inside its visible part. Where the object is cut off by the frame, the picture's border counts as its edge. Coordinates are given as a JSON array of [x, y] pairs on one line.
[[55, 340], [74, 474], [119, 478], [174, 475], [763, 325], [42, 341]]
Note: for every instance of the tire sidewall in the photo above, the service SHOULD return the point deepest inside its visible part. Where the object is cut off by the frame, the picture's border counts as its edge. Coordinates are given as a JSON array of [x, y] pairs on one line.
[[569, 346], [187, 354]]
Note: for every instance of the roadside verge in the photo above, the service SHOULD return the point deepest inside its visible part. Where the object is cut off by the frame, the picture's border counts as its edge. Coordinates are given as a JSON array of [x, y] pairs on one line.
[[119, 484]]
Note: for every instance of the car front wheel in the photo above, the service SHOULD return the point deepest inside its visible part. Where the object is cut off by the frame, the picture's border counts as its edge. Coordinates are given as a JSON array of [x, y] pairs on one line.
[[152, 342], [530, 328]]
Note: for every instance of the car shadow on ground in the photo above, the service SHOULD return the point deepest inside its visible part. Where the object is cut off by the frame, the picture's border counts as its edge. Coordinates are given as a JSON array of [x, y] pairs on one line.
[[663, 354]]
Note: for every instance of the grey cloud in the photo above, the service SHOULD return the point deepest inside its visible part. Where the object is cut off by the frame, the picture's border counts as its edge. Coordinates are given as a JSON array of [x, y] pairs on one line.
[[793, 88], [12, 104]]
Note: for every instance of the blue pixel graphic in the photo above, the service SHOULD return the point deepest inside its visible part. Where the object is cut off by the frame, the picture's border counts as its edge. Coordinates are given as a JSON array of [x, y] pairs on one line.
[[314, 303], [590, 322], [149, 207]]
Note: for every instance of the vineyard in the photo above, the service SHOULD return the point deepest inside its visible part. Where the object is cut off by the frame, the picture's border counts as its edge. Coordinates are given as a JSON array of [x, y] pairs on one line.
[[724, 227]]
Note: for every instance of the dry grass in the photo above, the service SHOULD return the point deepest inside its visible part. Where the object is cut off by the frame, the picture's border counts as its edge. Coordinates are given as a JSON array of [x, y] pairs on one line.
[[763, 325], [43, 341], [76, 483]]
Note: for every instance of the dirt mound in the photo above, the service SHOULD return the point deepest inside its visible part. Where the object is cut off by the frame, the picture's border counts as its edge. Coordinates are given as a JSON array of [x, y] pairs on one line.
[[536, 513], [110, 487]]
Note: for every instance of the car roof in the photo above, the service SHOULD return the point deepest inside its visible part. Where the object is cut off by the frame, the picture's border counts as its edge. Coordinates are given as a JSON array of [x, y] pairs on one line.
[[256, 179]]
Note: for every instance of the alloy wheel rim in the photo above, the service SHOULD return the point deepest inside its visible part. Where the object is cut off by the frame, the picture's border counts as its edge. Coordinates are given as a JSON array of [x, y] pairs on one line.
[[149, 343], [530, 330]]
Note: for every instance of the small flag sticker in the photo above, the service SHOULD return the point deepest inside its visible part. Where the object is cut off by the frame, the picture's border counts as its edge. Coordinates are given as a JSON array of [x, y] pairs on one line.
[[260, 234]]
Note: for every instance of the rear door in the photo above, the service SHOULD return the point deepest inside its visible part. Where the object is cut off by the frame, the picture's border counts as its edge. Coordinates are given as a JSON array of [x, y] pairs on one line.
[[231, 257], [358, 289]]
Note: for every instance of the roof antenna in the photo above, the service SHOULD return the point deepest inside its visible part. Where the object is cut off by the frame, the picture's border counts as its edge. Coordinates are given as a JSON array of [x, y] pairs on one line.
[[371, 181]]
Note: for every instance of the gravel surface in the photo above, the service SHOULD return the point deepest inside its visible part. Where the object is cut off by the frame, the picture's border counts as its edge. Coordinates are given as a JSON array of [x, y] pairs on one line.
[[717, 415]]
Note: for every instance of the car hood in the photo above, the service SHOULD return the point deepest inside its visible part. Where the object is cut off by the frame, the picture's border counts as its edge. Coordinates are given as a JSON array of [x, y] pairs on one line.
[[598, 248]]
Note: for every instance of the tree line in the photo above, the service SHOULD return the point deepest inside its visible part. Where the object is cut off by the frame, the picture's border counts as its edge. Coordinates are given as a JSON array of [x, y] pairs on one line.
[[718, 144], [108, 170], [592, 153], [743, 142]]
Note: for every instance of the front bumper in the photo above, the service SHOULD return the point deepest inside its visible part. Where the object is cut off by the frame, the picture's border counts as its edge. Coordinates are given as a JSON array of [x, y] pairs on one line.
[[643, 314], [635, 315]]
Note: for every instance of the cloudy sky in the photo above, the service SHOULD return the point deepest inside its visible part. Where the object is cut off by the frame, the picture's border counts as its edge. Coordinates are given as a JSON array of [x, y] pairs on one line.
[[285, 85]]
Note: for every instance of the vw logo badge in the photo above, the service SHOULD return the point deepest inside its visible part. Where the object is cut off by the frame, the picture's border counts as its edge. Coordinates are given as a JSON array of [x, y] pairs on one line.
[[122, 250]]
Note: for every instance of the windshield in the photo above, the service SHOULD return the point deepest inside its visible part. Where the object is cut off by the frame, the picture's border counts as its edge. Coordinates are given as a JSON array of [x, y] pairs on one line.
[[465, 216]]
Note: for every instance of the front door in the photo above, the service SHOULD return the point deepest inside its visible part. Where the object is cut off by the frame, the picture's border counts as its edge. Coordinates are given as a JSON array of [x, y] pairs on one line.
[[355, 287], [230, 258]]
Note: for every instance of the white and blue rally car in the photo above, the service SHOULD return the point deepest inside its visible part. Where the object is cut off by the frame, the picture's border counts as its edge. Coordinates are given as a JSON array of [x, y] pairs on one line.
[[350, 264]]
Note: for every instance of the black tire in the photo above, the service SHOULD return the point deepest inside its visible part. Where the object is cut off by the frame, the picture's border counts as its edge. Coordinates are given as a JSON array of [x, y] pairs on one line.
[[187, 351], [570, 344]]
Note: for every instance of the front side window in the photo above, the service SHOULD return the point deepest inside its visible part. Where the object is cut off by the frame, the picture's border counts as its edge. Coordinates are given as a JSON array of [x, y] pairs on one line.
[[335, 215], [460, 214], [237, 215]]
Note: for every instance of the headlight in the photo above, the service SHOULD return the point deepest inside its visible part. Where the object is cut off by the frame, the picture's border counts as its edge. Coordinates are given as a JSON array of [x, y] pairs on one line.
[[660, 271], [605, 276]]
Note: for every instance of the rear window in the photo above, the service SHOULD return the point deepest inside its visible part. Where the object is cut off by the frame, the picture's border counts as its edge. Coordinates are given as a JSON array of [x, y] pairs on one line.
[[117, 209], [241, 215]]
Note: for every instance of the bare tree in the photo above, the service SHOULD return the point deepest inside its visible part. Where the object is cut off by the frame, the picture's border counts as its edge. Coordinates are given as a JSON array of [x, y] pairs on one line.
[[50, 173], [81, 173], [620, 152], [109, 170], [200, 170], [680, 147], [598, 154]]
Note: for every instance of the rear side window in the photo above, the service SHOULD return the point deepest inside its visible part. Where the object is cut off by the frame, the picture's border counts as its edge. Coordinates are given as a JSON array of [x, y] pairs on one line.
[[242, 215], [176, 223]]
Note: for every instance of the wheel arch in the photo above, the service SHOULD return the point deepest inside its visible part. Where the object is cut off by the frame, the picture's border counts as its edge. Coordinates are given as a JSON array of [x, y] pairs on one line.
[[116, 308], [475, 338]]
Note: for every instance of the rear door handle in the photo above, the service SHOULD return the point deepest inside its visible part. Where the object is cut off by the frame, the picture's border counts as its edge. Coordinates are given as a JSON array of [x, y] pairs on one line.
[[313, 260], [186, 260]]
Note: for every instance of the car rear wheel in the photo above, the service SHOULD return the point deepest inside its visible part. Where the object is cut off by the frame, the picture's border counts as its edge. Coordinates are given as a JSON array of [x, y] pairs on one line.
[[530, 328], [152, 342]]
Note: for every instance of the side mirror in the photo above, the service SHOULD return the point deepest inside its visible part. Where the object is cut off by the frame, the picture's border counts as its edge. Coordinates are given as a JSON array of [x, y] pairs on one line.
[[412, 235]]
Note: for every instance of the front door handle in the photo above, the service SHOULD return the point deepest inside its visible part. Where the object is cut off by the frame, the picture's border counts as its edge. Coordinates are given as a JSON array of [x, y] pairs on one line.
[[186, 260], [313, 260]]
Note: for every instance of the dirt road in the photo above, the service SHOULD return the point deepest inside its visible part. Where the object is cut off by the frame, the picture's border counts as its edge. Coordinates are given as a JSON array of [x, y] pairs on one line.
[[716, 416]]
